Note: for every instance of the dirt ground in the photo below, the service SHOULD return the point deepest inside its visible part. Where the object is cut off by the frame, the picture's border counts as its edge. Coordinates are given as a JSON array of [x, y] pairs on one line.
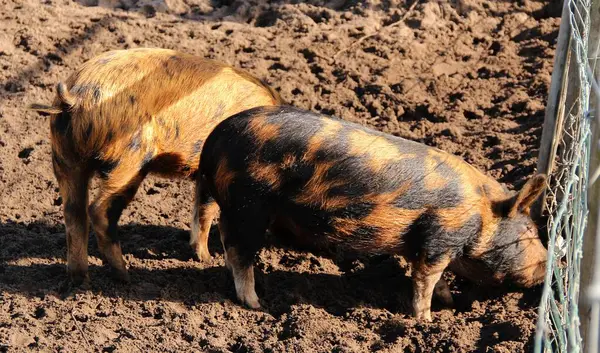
[[468, 76]]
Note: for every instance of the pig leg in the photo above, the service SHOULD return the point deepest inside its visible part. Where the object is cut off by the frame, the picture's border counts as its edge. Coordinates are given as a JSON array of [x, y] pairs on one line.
[[117, 190], [222, 235], [205, 210], [426, 276], [241, 239], [73, 184]]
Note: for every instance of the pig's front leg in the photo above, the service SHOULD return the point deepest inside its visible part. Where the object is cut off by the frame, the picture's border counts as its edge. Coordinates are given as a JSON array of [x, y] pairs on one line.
[[425, 277]]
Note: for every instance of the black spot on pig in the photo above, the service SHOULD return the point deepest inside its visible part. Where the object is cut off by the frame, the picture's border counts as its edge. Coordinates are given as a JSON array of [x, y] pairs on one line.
[[357, 210], [136, 141], [96, 94], [347, 171], [61, 123], [168, 70], [365, 234], [105, 167], [88, 132], [427, 237], [197, 148], [314, 219], [58, 162], [294, 178], [417, 196], [238, 161], [146, 160], [87, 90], [114, 211]]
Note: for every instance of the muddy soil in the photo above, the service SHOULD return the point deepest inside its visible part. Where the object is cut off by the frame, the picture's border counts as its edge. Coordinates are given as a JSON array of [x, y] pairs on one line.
[[468, 76]]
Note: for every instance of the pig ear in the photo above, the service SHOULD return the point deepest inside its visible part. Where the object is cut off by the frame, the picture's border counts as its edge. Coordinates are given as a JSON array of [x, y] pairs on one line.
[[528, 194]]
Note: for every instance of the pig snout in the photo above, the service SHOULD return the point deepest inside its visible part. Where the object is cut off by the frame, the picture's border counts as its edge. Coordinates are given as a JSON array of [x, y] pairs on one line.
[[533, 269], [520, 260]]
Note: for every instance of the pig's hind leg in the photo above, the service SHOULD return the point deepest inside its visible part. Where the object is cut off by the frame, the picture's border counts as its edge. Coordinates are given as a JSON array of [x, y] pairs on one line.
[[73, 184], [242, 235], [205, 210], [116, 192]]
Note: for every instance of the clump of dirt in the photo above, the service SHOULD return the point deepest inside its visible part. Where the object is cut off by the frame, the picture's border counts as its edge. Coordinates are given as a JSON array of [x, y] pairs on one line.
[[467, 76]]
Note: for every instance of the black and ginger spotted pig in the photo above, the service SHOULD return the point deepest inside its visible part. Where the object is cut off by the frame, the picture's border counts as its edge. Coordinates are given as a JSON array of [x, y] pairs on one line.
[[125, 114], [330, 181]]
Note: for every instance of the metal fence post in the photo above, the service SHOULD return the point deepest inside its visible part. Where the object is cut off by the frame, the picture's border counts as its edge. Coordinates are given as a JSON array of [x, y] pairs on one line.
[[590, 310]]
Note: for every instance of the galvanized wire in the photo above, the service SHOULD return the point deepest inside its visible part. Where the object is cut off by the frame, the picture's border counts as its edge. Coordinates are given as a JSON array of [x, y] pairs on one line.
[[593, 291], [566, 204]]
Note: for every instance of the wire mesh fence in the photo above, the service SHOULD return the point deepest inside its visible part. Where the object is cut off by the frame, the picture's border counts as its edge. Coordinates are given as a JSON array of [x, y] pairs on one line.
[[566, 205]]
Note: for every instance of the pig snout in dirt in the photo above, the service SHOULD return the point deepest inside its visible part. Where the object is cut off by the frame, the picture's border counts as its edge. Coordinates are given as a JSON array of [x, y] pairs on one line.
[[331, 181], [125, 114], [515, 251]]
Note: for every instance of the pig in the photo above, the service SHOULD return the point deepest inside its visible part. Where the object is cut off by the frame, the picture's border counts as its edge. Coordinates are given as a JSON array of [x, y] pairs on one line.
[[128, 113], [333, 182]]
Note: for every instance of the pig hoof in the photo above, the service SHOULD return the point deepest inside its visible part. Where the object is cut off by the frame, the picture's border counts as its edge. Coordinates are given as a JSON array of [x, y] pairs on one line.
[[206, 257], [121, 276], [424, 317], [68, 287], [81, 280], [250, 299], [253, 303], [203, 255]]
